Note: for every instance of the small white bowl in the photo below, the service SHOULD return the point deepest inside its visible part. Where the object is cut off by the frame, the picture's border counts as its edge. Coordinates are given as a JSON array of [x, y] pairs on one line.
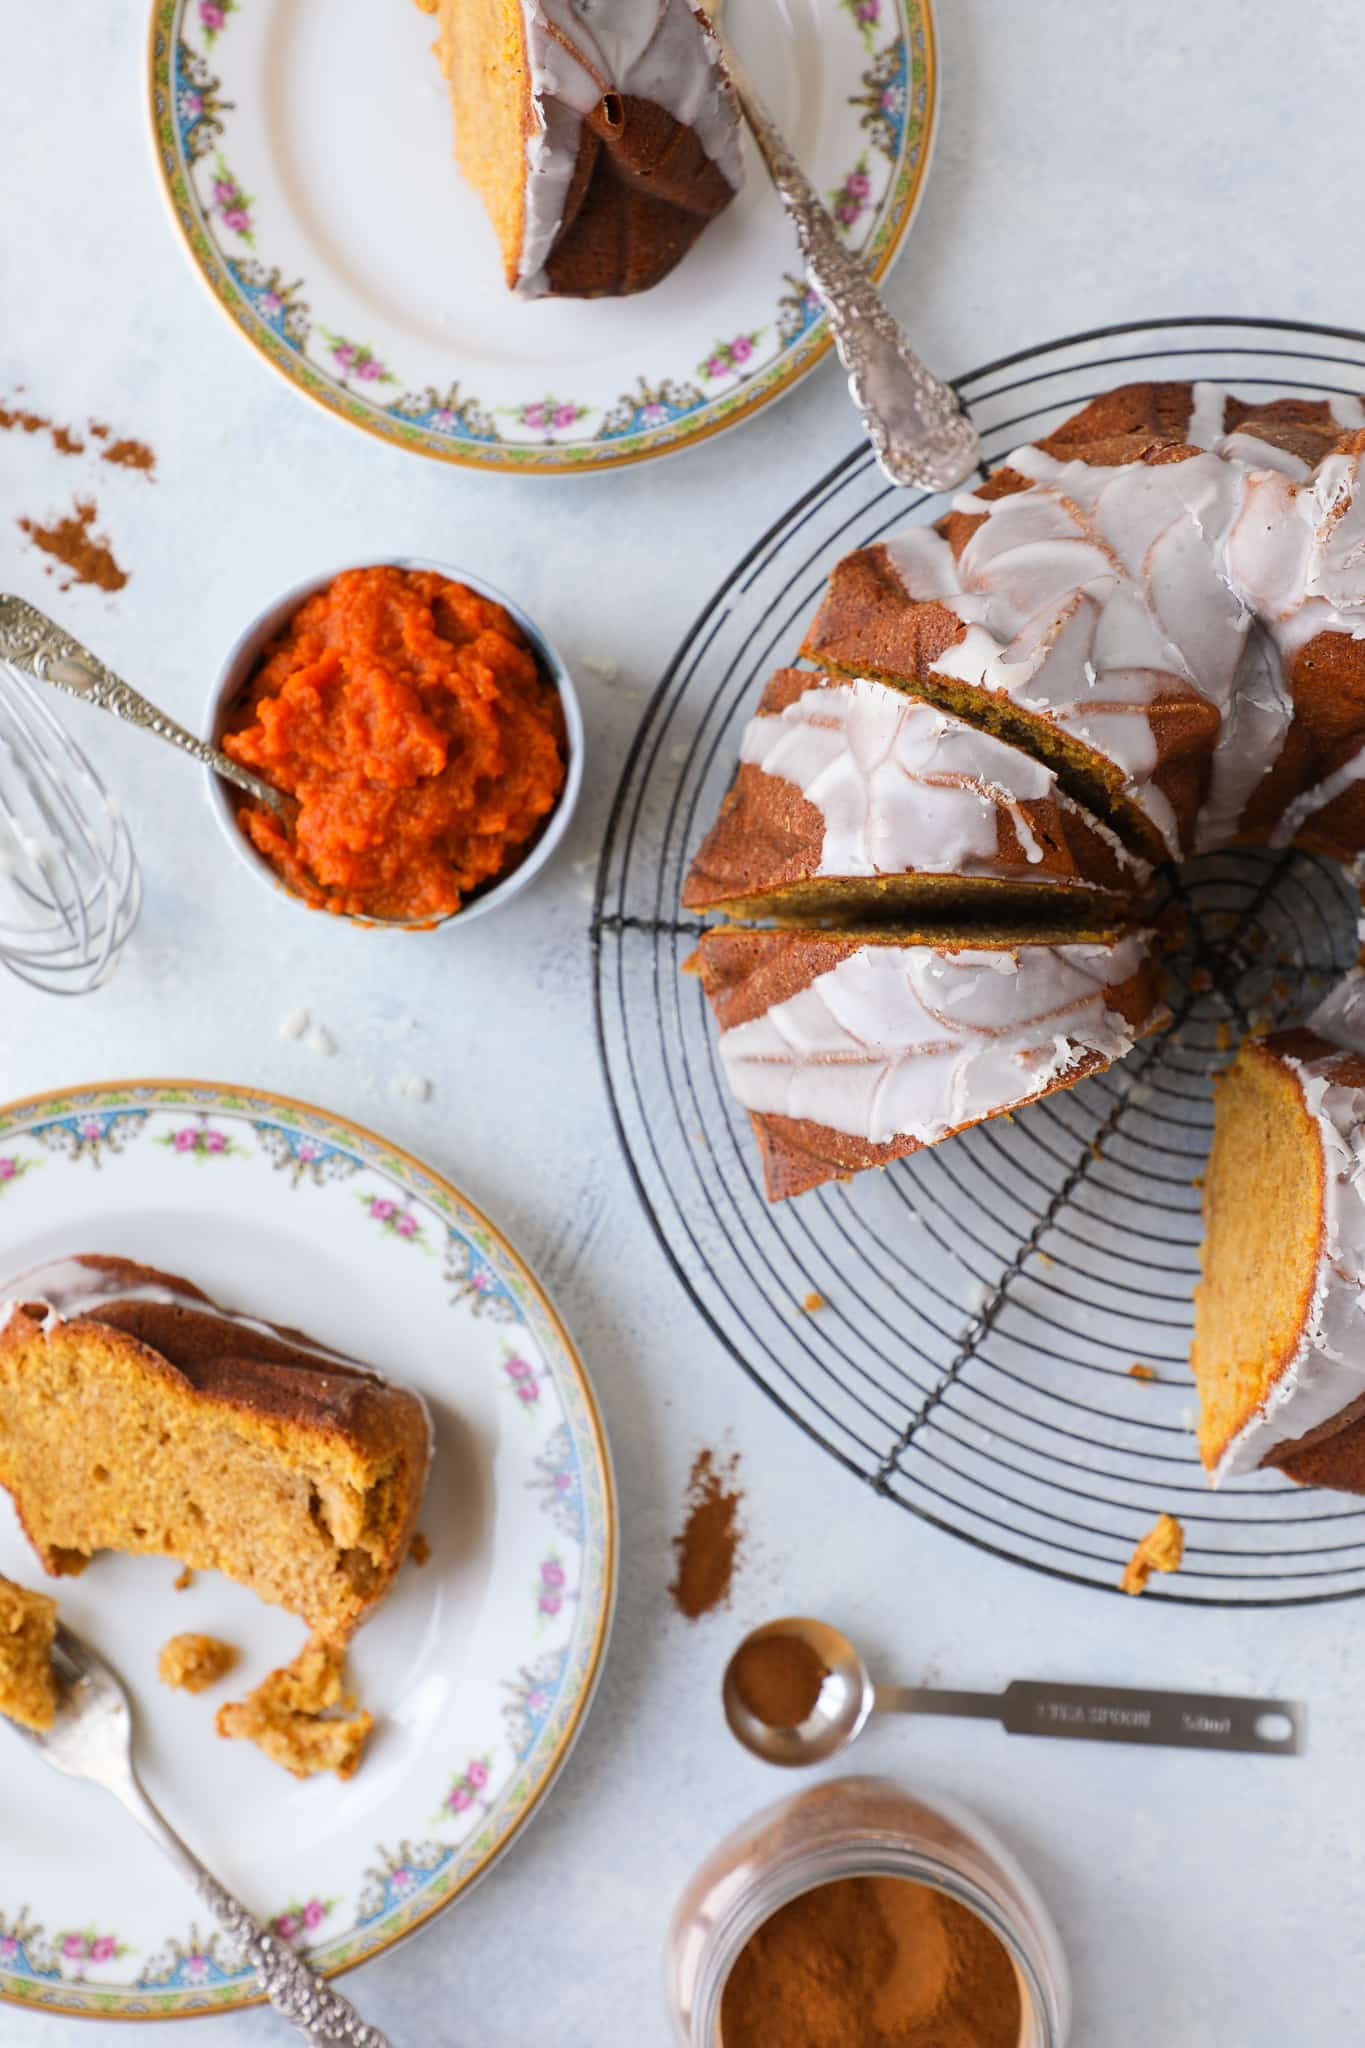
[[245, 652]]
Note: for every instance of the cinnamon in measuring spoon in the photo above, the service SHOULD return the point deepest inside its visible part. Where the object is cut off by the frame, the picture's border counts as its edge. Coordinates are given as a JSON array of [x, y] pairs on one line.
[[872, 1962], [779, 1679]]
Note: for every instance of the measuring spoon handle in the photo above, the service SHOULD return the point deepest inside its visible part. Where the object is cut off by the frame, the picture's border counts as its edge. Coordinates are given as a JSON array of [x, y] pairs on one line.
[[1115, 1713]]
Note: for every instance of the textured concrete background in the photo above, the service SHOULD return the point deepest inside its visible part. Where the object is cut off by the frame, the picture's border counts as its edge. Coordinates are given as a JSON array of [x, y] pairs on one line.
[[1095, 163]]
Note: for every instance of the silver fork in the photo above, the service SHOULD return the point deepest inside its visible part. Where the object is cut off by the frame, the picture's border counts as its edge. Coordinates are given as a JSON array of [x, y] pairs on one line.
[[92, 1737]]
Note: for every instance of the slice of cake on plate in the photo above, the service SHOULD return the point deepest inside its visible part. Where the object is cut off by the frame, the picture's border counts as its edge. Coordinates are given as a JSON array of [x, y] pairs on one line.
[[852, 1048], [136, 1415], [853, 800], [601, 135]]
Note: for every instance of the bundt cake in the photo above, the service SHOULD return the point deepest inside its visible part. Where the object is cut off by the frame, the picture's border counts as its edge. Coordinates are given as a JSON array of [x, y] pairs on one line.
[[1165, 598], [1279, 1334], [853, 800], [28, 1684], [850, 1049], [602, 135], [135, 1415]]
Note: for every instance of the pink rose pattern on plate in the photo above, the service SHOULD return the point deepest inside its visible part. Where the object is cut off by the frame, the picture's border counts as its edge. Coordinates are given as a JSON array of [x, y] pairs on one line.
[[73, 1967], [896, 123]]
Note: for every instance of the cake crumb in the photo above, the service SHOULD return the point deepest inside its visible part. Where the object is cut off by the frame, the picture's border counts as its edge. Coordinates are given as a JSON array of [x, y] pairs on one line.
[[185, 1580], [293, 1024], [415, 1087], [298, 1718], [605, 670], [193, 1663], [321, 1041], [28, 1684], [1162, 1549], [1143, 1372], [419, 1550], [813, 1301]]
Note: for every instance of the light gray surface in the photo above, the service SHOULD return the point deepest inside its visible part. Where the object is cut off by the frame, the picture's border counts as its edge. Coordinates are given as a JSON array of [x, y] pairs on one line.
[[1095, 164]]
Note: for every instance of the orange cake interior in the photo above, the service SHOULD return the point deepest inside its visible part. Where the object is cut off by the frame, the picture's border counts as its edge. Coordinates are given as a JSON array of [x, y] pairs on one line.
[[1263, 1214], [490, 91], [293, 1473], [28, 1686]]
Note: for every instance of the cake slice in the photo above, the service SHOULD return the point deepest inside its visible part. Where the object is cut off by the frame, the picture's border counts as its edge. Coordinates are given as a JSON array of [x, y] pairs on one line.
[[28, 1684], [137, 1416], [601, 138], [854, 801], [852, 1048], [1279, 1330]]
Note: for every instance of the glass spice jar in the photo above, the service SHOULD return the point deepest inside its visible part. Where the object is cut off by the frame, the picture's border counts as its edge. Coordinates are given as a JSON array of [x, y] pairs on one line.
[[859, 1827]]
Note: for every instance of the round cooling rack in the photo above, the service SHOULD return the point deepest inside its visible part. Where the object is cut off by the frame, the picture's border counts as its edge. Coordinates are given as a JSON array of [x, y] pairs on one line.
[[984, 1300]]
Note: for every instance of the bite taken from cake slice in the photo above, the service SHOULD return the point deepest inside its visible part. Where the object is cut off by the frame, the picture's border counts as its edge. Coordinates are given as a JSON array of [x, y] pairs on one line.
[[855, 801], [853, 1048], [137, 1416]]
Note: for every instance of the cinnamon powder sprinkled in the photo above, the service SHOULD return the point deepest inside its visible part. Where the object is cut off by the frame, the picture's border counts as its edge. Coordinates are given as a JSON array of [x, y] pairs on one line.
[[419, 1550], [129, 454], [707, 1547], [75, 544]]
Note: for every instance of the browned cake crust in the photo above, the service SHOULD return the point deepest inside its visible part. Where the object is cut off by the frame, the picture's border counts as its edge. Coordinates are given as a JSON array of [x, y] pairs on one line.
[[768, 836], [867, 624], [643, 189], [332, 1457], [744, 973]]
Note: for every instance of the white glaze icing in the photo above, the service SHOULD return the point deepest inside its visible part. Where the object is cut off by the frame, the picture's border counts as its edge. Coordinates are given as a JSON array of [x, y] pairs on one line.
[[913, 1041], [577, 51], [1100, 590], [903, 787], [1327, 1371]]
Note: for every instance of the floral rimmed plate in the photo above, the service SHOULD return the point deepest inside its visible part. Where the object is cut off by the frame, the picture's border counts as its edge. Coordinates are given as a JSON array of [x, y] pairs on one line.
[[480, 1666], [306, 153]]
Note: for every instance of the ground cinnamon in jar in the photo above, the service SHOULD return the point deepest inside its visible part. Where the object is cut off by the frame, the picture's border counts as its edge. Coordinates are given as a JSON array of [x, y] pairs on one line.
[[872, 1962], [779, 1678]]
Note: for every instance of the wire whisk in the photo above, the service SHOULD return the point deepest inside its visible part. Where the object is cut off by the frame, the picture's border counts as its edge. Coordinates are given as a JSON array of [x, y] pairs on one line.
[[70, 887]]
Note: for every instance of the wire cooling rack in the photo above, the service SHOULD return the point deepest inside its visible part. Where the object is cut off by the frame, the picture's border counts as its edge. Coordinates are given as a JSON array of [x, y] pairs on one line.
[[985, 1300]]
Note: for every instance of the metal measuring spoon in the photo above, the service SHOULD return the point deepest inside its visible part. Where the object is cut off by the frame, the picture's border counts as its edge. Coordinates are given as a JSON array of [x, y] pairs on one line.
[[1089, 1713]]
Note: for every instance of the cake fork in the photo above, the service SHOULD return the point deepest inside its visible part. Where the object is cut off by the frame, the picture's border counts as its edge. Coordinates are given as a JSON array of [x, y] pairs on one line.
[[92, 1737], [915, 422]]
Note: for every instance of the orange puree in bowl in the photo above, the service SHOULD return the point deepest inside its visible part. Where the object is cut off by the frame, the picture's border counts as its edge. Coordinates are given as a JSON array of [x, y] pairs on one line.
[[410, 719]]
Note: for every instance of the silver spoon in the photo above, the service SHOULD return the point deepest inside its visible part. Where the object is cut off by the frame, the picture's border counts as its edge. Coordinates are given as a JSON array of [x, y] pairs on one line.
[[40, 647], [1089, 1713], [92, 1737], [915, 421]]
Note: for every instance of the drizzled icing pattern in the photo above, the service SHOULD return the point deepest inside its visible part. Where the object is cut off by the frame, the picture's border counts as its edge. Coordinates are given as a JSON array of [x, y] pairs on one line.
[[902, 787], [579, 50], [1103, 590], [1326, 1374], [914, 1041]]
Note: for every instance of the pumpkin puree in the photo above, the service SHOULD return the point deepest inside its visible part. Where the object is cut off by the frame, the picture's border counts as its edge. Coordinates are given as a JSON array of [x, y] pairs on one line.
[[408, 716]]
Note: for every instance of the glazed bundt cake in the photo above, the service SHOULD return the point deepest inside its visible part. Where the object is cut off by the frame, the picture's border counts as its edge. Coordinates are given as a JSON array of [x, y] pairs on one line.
[[135, 1415], [853, 800], [601, 137], [851, 1049], [1165, 599]]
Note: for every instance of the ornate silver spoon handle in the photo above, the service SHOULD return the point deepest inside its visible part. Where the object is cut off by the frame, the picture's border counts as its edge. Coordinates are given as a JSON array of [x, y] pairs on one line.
[[328, 2019], [36, 644], [914, 420]]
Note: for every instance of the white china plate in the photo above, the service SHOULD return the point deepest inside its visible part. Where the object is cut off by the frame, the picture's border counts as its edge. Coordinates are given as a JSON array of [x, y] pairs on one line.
[[305, 150], [480, 1666]]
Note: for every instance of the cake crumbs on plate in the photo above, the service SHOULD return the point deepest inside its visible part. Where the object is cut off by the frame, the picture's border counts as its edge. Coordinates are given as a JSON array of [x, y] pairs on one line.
[[1138, 1371], [192, 1663], [321, 1041], [183, 1583], [1162, 1549], [419, 1550], [813, 1301], [293, 1024], [298, 1716]]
